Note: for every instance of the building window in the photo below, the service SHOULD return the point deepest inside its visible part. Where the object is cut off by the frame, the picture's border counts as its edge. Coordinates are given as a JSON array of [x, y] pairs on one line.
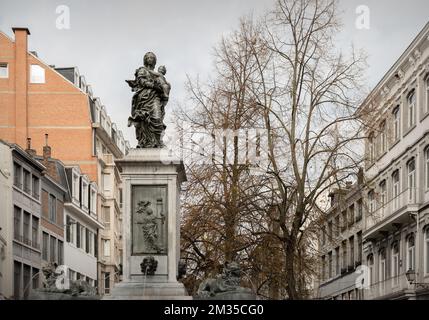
[[70, 230], [383, 140], [17, 175], [352, 251], [60, 252], [427, 251], [4, 70], [351, 214], [344, 218], [35, 232], [35, 278], [337, 226], [383, 195], [52, 208], [106, 248], [106, 213], [395, 263], [93, 201], [370, 260], [36, 187], [396, 189], [84, 194], [330, 264], [427, 93], [37, 74], [359, 210], [371, 148], [411, 166], [396, 123], [76, 187], [382, 273], [53, 249], [323, 263], [16, 280], [45, 245], [27, 280], [411, 253], [107, 283], [427, 166], [27, 181], [323, 231], [344, 251], [371, 201], [26, 228], [359, 240], [17, 223], [411, 100], [337, 260], [82, 237]]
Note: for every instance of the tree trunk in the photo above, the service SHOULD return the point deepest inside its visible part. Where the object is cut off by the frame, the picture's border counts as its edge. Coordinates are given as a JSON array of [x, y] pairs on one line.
[[290, 271]]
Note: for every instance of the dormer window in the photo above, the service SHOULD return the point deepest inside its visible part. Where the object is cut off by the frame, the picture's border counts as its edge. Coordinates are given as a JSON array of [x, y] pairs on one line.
[[93, 199], [85, 193], [76, 186]]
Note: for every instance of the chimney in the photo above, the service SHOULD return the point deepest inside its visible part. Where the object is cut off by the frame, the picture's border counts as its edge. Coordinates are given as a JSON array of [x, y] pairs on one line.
[[30, 151], [48, 162], [46, 149], [21, 85]]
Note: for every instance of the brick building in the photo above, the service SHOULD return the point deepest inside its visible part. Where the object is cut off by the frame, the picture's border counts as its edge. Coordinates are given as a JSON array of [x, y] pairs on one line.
[[38, 99]]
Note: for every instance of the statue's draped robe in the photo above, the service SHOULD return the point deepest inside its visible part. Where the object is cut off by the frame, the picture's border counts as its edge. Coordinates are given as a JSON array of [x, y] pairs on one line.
[[147, 112]]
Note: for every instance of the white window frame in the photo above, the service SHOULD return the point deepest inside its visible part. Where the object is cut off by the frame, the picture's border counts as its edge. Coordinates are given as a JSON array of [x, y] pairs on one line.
[[6, 66], [37, 74], [397, 122], [396, 188], [411, 101], [106, 247]]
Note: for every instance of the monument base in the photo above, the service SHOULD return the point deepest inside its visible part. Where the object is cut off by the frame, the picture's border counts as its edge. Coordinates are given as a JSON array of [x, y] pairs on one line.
[[148, 291]]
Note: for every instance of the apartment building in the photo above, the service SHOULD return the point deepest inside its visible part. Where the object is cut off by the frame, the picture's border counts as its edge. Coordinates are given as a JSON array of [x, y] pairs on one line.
[[396, 228], [38, 99], [340, 246], [20, 215]]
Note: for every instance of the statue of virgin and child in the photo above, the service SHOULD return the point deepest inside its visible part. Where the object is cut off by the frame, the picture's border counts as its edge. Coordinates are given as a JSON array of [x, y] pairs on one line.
[[148, 103]]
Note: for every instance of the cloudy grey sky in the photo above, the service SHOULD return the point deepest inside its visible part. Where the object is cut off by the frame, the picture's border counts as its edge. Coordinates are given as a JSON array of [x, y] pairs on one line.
[[107, 39]]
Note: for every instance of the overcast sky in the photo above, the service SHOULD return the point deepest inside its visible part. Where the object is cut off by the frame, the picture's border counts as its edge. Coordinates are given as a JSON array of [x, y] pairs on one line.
[[107, 39]]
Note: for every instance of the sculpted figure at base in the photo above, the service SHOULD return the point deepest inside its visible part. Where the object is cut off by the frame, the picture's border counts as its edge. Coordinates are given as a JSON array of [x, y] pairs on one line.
[[228, 281], [148, 104]]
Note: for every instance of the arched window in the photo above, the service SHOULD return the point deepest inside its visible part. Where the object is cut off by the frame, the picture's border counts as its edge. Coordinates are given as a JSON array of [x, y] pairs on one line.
[[383, 195], [411, 249], [411, 101], [395, 263], [411, 167], [396, 123], [395, 189]]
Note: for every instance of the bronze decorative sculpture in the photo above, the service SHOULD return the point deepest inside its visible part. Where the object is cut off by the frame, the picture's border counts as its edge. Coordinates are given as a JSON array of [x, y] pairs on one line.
[[148, 104]]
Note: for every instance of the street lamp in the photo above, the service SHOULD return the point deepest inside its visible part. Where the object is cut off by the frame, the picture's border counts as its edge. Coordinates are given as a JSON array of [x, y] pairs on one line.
[[411, 276]]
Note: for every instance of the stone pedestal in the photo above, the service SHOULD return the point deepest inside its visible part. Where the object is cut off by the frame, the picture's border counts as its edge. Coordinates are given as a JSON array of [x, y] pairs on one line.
[[151, 225]]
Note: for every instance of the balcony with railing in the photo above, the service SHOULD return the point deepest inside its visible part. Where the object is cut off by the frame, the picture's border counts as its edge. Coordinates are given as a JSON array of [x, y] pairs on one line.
[[392, 212]]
